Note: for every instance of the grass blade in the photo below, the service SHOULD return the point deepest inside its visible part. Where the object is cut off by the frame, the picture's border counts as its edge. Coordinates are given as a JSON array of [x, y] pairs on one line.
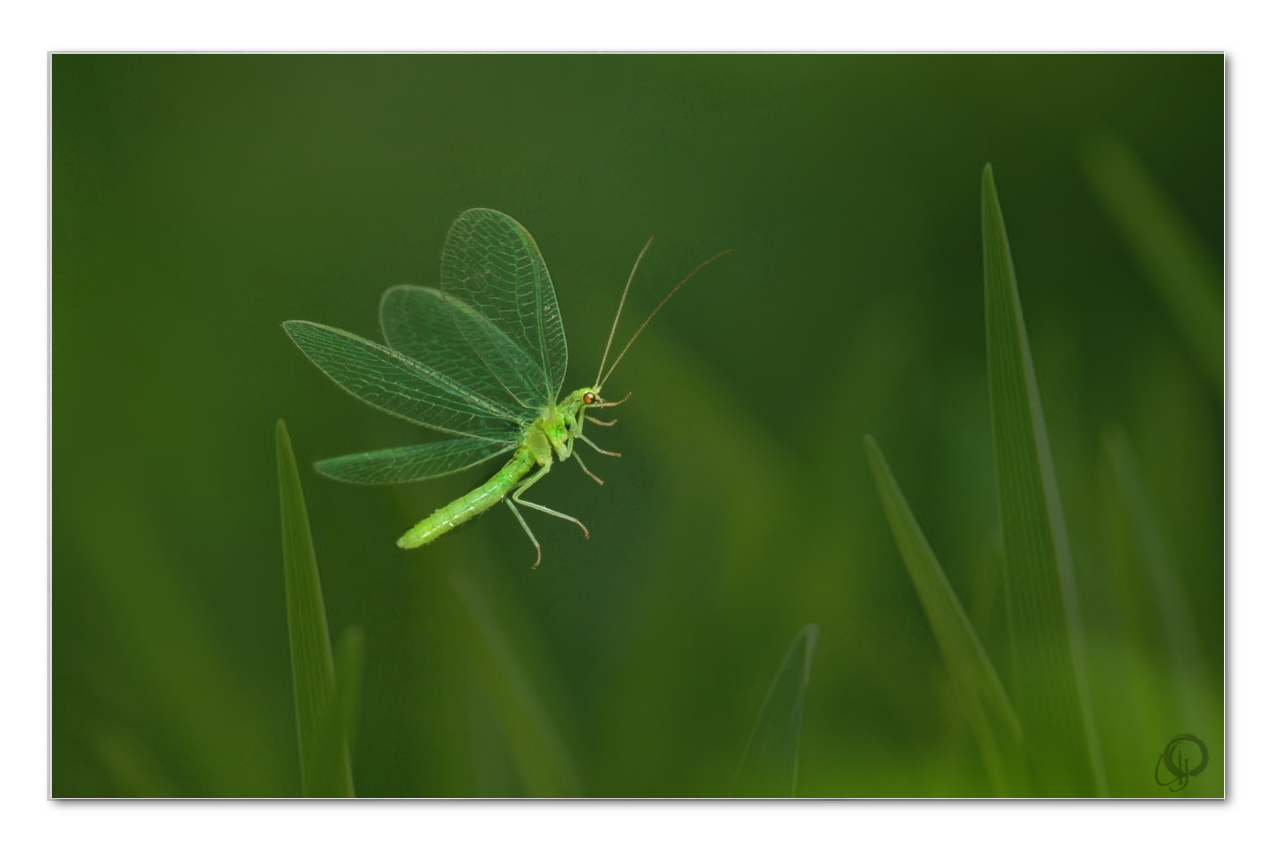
[[1176, 262], [772, 758], [206, 729], [1050, 686], [541, 756], [1159, 683], [1160, 588], [348, 668], [982, 696], [322, 750]]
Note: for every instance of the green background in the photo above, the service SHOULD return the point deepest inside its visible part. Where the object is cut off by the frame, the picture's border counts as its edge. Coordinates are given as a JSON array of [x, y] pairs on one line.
[[198, 201]]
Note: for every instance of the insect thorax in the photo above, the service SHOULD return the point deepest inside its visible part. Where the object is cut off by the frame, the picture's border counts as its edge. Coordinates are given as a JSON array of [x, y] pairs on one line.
[[551, 432], [557, 427]]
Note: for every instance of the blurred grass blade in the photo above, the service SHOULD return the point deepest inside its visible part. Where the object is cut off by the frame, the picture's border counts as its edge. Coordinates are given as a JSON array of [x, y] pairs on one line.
[[1157, 586], [348, 668], [772, 758], [987, 607], [321, 747], [1175, 260], [1050, 687], [166, 671], [540, 754], [1155, 678], [982, 697]]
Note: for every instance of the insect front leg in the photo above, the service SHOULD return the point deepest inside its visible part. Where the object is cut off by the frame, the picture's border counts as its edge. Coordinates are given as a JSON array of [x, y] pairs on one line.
[[603, 404], [599, 404], [576, 425], [524, 487]]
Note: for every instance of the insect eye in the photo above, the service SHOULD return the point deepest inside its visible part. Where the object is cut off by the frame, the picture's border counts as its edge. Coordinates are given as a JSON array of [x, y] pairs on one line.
[[588, 398]]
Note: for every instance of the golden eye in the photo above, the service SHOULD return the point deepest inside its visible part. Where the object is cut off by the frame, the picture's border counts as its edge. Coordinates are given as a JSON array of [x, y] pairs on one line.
[[589, 398]]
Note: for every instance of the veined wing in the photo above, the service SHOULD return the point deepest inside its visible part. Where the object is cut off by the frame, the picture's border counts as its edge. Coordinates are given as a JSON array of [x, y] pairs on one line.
[[456, 340], [408, 464], [400, 386], [492, 263]]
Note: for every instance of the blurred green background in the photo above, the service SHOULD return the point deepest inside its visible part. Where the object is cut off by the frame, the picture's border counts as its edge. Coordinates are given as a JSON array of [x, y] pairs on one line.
[[198, 201]]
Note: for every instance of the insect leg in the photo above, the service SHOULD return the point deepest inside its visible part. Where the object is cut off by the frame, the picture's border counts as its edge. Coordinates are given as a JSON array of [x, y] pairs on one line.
[[584, 465], [520, 518], [585, 417], [604, 405], [523, 487], [592, 445]]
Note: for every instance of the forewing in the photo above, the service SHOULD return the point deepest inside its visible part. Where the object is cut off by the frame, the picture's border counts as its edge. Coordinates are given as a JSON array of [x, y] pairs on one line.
[[459, 342], [400, 386], [408, 464], [492, 263]]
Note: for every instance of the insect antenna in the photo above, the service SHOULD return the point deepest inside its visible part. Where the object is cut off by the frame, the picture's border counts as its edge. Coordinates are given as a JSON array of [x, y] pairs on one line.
[[600, 383], [621, 302]]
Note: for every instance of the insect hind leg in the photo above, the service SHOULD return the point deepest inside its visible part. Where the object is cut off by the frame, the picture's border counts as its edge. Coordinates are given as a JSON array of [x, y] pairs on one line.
[[524, 524]]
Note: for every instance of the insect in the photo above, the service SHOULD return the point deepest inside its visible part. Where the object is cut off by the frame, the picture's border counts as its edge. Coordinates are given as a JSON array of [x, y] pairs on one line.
[[482, 359]]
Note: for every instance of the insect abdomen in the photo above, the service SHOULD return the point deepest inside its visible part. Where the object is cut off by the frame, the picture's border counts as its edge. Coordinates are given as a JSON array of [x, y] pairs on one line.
[[458, 512]]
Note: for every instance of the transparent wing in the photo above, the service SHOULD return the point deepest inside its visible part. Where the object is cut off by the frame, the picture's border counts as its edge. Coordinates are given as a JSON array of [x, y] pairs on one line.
[[407, 464], [456, 340], [400, 386], [492, 263]]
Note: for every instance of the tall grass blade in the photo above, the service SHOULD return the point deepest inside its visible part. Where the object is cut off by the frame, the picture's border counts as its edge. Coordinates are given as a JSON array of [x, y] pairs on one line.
[[772, 759], [1176, 261], [1050, 687], [541, 756], [322, 750], [982, 697]]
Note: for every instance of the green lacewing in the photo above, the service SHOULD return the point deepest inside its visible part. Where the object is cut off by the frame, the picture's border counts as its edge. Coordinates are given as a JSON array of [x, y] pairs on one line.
[[481, 359]]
